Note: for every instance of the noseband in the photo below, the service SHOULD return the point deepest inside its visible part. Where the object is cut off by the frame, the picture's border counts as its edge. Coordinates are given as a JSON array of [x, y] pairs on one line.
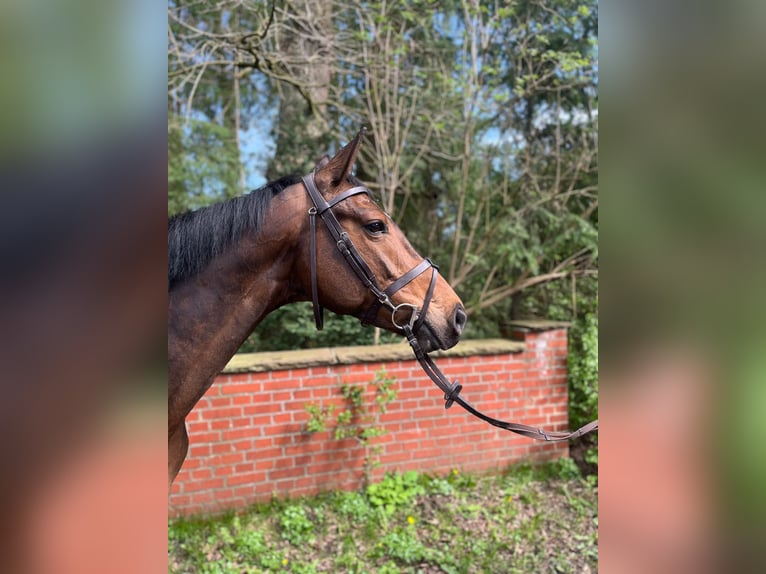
[[411, 326]]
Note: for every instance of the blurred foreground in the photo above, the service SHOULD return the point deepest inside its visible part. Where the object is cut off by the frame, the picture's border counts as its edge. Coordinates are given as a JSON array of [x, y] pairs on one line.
[[82, 288], [683, 276]]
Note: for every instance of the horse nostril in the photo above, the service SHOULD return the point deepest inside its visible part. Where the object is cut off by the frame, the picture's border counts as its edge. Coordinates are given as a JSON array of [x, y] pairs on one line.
[[460, 319]]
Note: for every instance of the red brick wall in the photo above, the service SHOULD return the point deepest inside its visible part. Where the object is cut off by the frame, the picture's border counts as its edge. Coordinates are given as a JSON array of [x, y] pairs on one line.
[[248, 438]]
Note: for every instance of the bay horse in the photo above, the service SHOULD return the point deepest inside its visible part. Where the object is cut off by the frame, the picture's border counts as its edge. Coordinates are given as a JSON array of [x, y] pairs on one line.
[[232, 263]]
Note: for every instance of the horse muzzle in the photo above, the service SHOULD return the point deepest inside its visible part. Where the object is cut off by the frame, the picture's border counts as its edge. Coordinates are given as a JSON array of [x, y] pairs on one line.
[[434, 337]]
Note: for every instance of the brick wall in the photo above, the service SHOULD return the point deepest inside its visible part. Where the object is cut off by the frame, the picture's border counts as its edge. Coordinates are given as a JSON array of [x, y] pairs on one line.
[[248, 438]]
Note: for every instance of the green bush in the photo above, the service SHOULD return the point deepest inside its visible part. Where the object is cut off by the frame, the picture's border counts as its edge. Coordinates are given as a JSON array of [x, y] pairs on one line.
[[583, 378], [583, 371], [293, 327]]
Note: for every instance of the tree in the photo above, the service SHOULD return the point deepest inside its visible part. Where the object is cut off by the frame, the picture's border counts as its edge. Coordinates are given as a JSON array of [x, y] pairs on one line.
[[209, 104], [483, 119]]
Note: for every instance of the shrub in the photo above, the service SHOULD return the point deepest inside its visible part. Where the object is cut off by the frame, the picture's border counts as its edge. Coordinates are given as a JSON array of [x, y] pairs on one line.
[[583, 377]]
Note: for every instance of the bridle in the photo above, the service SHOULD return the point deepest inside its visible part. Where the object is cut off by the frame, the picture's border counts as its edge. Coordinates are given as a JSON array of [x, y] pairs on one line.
[[344, 244], [417, 316]]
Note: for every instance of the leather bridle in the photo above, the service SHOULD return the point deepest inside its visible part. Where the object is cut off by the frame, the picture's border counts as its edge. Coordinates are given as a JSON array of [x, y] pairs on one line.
[[417, 316], [357, 263]]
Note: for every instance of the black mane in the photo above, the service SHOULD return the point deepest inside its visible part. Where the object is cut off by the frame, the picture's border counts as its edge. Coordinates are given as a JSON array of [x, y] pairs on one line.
[[196, 237]]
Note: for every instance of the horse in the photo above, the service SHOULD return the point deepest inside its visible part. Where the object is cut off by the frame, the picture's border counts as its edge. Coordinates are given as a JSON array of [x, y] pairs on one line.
[[232, 263]]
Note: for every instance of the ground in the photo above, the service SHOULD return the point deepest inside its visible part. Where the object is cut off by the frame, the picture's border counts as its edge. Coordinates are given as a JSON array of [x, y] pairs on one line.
[[524, 520]]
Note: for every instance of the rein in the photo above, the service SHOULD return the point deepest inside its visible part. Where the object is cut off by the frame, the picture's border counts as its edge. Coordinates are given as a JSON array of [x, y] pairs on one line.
[[417, 316]]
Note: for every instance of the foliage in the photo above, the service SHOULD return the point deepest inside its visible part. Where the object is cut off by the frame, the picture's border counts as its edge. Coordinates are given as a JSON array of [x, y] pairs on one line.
[[202, 164], [354, 506], [358, 419], [583, 380], [583, 371], [319, 417], [295, 524], [395, 491], [292, 327], [527, 519], [403, 546]]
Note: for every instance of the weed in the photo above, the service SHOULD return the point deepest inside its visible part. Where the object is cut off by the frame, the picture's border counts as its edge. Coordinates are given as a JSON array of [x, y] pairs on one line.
[[566, 469], [461, 480], [400, 544], [219, 568], [353, 505], [296, 526], [251, 543], [358, 419], [348, 559], [272, 560], [395, 491], [302, 568], [318, 417], [389, 567], [440, 486]]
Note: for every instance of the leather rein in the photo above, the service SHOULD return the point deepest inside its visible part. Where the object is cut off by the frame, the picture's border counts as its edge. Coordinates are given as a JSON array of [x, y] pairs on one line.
[[411, 326]]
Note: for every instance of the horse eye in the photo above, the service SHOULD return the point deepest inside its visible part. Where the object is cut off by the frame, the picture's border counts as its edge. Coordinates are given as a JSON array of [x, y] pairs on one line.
[[376, 227]]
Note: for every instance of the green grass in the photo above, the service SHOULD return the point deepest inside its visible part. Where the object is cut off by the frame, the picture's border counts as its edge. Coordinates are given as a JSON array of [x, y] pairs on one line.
[[527, 519]]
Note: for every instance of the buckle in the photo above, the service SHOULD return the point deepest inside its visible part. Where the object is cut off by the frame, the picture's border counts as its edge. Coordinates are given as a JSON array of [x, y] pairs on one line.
[[343, 243], [452, 394]]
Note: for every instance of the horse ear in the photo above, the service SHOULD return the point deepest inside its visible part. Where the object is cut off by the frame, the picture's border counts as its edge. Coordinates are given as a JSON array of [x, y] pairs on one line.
[[322, 162], [336, 170]]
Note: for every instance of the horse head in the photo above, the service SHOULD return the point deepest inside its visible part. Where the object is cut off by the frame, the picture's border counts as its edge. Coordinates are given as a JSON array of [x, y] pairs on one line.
[[406, 290]]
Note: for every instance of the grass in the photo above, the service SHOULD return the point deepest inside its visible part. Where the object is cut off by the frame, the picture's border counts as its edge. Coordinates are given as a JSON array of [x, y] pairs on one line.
[[527, 519]]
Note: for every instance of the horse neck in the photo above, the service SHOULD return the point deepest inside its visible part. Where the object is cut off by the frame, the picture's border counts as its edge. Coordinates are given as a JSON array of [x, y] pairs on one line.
[[212, 314]]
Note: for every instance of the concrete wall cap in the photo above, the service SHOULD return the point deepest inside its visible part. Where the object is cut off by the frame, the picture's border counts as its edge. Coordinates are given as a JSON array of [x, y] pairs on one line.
[[304, 358], [538, 325]]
